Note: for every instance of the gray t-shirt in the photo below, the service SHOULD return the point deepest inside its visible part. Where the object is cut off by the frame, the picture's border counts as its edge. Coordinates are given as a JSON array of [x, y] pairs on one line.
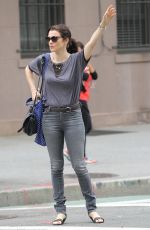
[[64, 89]]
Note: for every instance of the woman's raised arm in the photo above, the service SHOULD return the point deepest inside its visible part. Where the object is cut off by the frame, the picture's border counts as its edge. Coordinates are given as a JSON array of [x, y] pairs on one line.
[[109, 14]]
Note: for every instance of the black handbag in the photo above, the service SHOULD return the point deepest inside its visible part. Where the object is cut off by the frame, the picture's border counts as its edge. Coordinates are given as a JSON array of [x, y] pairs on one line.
[[30, 123]]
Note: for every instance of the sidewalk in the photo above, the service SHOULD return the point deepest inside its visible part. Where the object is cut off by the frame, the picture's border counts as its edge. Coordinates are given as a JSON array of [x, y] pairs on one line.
[[122, 168]]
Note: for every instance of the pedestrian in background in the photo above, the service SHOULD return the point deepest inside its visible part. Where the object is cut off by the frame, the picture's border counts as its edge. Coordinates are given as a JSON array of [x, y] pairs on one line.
[[62, 117], [89, 74]]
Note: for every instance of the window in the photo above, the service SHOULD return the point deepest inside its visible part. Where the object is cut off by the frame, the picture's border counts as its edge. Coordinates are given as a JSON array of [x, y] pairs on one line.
[[36, 16], [133, 25]]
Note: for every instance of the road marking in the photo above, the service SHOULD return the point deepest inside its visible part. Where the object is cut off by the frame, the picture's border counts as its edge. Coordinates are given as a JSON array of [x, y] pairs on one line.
[[64, 227], [113, 204], [134, 203], [110, 202]]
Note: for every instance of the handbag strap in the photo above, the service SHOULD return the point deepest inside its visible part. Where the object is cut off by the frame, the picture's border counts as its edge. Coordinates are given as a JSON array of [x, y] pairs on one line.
[[42, 63], [43, 66]]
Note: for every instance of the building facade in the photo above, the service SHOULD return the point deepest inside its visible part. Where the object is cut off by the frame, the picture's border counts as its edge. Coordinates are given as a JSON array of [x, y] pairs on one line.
[[122, 59]]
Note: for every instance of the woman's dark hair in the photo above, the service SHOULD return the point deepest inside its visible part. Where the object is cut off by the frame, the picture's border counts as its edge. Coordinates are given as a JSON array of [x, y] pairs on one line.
[[72, 46], [62, 29], [80, 45]]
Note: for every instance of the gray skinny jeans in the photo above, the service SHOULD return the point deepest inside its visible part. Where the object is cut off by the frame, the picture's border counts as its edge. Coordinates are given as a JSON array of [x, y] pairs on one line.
[[68, 125]]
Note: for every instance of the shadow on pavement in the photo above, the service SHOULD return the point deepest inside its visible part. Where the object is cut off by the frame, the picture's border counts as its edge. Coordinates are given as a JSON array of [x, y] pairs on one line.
[[106, 132]]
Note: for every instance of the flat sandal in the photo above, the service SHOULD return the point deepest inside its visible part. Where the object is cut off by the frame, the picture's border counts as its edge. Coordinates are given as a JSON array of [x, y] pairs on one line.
[[60, 219], [97, 219]]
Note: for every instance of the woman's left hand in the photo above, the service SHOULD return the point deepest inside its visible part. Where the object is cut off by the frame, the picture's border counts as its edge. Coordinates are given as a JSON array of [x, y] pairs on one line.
[[109, 14]]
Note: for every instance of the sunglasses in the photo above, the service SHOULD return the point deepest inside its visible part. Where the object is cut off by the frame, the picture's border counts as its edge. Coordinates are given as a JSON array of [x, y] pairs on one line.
[[53, 38]]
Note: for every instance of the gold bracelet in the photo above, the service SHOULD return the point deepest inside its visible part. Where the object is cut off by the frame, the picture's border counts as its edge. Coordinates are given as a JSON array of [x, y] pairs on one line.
[[102, 27]]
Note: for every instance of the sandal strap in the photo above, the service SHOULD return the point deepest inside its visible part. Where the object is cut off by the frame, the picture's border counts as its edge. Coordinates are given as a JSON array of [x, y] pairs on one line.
[[57, 220], [98, 218], [60, 218]]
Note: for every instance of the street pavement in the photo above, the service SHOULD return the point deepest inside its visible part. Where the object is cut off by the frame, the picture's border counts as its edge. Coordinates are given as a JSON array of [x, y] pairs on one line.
[[122, 168], [119, 213]]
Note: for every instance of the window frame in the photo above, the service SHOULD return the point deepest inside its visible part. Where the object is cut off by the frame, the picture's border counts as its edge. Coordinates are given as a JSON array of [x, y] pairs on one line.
[[36, 16], [126, 32]]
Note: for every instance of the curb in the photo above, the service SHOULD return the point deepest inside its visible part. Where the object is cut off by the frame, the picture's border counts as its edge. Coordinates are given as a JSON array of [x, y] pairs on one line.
[[38, 195]]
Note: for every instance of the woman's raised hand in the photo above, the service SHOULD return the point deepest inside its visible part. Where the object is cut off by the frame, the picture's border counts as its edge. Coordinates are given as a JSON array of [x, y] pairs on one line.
[[108, 15]]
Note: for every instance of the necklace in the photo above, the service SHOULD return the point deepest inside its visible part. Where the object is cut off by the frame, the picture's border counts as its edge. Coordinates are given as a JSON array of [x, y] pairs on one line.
[[57, 68]]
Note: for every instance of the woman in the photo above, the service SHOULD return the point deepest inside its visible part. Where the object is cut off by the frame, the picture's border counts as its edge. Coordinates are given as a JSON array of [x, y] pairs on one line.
[[62, 116]]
